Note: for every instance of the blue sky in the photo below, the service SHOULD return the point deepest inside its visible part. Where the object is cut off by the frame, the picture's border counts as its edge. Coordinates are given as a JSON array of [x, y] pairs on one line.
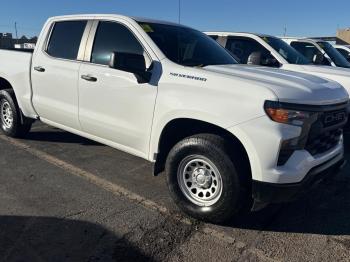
[[301, 17]]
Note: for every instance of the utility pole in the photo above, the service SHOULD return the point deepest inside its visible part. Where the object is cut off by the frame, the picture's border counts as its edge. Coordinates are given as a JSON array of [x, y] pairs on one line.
[[16, 32], [179, 11], [285, 31]]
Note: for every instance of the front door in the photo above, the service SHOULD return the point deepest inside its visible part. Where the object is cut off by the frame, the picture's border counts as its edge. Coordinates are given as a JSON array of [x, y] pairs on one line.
[[112, 104]]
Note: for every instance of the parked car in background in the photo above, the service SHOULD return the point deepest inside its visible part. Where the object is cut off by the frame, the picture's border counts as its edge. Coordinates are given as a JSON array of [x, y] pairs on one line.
[[270, 51], [225, 134], [344, 50], [318, 52]]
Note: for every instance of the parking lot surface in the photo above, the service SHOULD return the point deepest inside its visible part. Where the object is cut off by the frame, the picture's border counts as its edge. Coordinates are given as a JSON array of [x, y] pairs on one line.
[[66, 198]]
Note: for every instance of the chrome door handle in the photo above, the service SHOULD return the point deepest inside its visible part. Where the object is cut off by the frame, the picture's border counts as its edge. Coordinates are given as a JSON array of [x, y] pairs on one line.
[[89, 78], [39, 69]]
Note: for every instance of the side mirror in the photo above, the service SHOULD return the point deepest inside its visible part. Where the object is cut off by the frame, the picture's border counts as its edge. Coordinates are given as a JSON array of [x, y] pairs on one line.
[[131, 63], [318, 59], [254, 58], [270, 61], [257, 58]]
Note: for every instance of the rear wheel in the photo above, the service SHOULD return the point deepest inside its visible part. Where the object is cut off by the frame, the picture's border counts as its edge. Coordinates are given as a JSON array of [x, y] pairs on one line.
[[203, 179], [12, 122]]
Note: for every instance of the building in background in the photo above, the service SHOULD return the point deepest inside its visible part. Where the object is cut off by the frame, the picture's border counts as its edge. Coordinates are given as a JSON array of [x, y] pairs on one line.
[[25, 46], [8, 42], [343, 36]]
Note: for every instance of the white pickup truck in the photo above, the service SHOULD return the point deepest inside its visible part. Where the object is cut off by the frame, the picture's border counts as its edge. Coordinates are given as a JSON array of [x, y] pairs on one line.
[[225, 134]]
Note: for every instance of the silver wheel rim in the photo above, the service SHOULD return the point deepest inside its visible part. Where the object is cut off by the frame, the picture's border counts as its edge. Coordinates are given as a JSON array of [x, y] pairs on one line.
[[6, 114], [200, 180]]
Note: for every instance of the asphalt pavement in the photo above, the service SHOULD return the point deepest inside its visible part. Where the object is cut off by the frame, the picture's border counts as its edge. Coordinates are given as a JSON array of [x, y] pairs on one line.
[[66, 198]]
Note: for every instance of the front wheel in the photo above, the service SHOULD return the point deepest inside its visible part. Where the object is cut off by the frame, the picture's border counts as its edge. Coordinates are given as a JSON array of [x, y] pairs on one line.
[[13, 124], [203, 179]]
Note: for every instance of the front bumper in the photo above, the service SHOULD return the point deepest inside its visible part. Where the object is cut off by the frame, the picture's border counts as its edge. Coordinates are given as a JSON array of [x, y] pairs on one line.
[[262, 139], [281, 193]]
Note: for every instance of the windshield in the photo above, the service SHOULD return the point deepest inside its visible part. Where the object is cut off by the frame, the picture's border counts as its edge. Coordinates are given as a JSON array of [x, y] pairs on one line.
[[336, 57], [286, 51], [186, 46], [344, 52]]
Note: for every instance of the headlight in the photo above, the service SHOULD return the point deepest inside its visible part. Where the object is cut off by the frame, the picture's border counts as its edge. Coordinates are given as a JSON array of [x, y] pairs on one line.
[[282, 114], [291, 115]]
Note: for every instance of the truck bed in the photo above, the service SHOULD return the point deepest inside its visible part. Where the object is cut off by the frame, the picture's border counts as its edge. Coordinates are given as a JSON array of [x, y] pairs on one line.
[[18, 50], [15, 67]]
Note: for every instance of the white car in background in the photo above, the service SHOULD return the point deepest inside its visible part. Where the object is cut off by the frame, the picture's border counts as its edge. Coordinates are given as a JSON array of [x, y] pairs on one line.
[[344, 50], [318, 51], [270, 51]]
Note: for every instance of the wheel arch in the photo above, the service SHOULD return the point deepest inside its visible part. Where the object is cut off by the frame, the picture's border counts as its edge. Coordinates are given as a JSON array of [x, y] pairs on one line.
[[180, 128], [5, 84], [21, 87]]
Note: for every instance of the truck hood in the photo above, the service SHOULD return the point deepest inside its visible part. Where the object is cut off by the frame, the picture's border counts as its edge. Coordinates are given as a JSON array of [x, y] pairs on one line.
[[288, 86]]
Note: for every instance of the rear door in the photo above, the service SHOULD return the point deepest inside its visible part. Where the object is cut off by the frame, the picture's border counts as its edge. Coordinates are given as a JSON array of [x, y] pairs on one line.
[[112, 104], [55, 73]]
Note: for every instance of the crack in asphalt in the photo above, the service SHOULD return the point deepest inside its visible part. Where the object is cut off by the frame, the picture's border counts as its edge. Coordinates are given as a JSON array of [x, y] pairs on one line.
[[344, 242], [158, 242], [77, 213], [252, 248]]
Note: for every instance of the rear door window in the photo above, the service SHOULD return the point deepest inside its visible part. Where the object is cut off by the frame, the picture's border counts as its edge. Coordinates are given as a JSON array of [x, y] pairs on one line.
[[65, 39]]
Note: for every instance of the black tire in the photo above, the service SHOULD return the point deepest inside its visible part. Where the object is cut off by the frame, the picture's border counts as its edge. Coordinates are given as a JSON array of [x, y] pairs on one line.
[[234, 197], [21, 125]]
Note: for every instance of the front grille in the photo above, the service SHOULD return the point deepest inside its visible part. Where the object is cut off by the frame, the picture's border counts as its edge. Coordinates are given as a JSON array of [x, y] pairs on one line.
[[323, 142], [327, 131]]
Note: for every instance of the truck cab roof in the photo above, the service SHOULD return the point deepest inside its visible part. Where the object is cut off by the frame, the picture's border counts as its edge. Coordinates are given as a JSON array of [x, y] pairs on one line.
[[115, 16]]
